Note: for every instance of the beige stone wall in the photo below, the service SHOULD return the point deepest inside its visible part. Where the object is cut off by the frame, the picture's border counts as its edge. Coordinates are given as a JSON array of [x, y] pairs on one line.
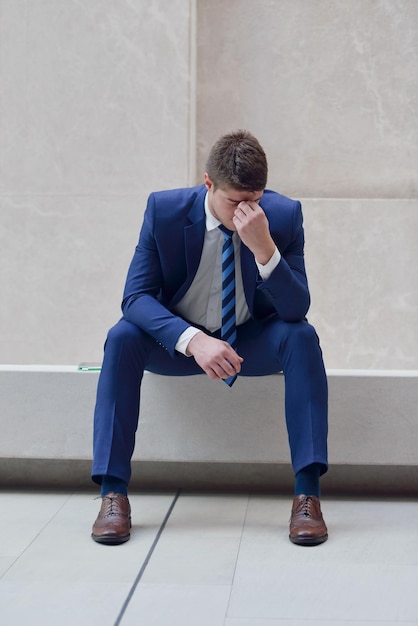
[[102, 102], [94, 115], [330, 88]]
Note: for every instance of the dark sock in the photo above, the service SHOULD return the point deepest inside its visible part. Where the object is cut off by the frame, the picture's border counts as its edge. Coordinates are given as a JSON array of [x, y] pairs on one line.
[[111, 483], [307, 481]]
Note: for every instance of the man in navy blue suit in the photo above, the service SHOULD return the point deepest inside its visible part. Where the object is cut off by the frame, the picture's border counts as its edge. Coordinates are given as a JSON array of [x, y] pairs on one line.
[[172, 323]]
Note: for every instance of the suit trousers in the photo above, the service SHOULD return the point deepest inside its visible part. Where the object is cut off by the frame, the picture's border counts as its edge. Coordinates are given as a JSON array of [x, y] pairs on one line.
[[267, 347]]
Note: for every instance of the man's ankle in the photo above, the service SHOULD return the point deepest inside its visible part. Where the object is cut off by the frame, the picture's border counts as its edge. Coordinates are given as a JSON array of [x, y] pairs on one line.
[[113, 484], [307, 481]]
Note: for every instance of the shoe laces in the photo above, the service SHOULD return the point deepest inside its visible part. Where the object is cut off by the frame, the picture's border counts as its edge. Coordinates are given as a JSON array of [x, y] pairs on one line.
[[307, 505], [110, 508], [112, 500]]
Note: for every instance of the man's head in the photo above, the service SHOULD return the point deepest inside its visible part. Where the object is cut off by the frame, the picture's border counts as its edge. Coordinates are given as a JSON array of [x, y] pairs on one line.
[[236, 171], [237, 161]]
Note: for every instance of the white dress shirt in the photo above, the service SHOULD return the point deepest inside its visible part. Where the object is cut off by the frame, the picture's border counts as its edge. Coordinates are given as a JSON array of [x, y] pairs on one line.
[[202, 303]]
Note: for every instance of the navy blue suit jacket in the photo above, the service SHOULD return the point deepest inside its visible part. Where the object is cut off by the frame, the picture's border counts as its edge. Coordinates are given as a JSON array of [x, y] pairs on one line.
[[168, 253]]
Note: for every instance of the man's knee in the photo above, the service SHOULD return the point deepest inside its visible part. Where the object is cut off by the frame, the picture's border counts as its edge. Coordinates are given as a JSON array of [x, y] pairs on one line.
[[303, 331], [123, 332], [300, 334]]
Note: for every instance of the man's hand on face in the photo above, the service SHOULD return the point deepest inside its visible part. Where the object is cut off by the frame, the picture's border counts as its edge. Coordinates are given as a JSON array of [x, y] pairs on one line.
[[216, 357], [253, 230]]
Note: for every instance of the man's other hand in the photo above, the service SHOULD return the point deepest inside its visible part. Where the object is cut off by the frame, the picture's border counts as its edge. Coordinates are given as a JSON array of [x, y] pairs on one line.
[[216, 357]]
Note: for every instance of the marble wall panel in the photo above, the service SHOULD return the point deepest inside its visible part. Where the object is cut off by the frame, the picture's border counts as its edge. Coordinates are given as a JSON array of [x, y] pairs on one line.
[[95, 114], [362, 265], [95, 95], [330, 89], [63, 266]]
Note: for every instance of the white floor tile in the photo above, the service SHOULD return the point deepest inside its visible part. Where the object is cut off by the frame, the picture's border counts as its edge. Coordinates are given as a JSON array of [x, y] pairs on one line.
[[200, 543], [359, 532], [177, 605], [373, 531], [76, 604], [366, 570], [329, 593], [64, 551], [5, 563], [311, 622], [25, 516]]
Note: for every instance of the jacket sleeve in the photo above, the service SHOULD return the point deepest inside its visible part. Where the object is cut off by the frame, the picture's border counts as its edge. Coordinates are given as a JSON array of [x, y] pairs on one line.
[[287, 287], [141, 299]]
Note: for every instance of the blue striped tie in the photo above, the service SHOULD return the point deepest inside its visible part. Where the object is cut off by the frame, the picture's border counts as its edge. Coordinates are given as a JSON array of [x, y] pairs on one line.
[[228, 330]]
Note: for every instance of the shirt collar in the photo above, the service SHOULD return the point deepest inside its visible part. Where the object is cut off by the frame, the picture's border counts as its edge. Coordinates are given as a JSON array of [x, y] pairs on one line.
[[211, 221]]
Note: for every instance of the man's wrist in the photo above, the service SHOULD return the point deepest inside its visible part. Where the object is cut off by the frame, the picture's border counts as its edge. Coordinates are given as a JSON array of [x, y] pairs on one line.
[[184, 339], [267, 269]]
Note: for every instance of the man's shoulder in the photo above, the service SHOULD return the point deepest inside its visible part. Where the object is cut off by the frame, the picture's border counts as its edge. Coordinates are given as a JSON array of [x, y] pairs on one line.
[[282, 212], [182, 196], [274, 199]]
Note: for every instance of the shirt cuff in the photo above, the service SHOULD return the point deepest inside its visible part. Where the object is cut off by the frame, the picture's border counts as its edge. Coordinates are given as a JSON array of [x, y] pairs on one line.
[[185, 337], [267, 269]]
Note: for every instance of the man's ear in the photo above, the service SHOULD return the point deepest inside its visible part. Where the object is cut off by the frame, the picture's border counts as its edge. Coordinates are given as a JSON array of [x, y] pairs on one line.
[[208, 182]]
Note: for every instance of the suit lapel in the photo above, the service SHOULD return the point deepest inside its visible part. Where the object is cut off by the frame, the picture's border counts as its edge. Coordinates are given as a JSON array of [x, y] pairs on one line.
[[194, 234]]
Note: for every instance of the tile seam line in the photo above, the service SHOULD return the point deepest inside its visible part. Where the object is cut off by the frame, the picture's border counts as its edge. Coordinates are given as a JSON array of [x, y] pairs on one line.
[[244, 521], [35, 537], [146, 560]]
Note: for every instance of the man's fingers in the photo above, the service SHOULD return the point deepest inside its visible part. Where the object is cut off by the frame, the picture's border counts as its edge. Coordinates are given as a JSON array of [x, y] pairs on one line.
[[226, 367], [217, 358]]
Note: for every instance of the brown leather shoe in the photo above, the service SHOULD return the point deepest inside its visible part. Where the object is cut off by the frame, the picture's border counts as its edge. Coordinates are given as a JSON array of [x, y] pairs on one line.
[[113, 523], [307, 526]]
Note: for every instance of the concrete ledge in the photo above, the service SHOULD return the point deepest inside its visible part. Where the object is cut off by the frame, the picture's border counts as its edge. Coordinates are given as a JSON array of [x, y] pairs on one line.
[[74, 474], [197, 434]]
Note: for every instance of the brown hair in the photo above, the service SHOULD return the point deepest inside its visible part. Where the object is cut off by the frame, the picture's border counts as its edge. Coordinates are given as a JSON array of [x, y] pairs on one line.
[[237, 160]]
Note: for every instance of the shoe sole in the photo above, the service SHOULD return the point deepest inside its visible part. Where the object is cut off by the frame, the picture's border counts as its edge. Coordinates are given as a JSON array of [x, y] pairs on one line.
[[308, 541], [110, 541]]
